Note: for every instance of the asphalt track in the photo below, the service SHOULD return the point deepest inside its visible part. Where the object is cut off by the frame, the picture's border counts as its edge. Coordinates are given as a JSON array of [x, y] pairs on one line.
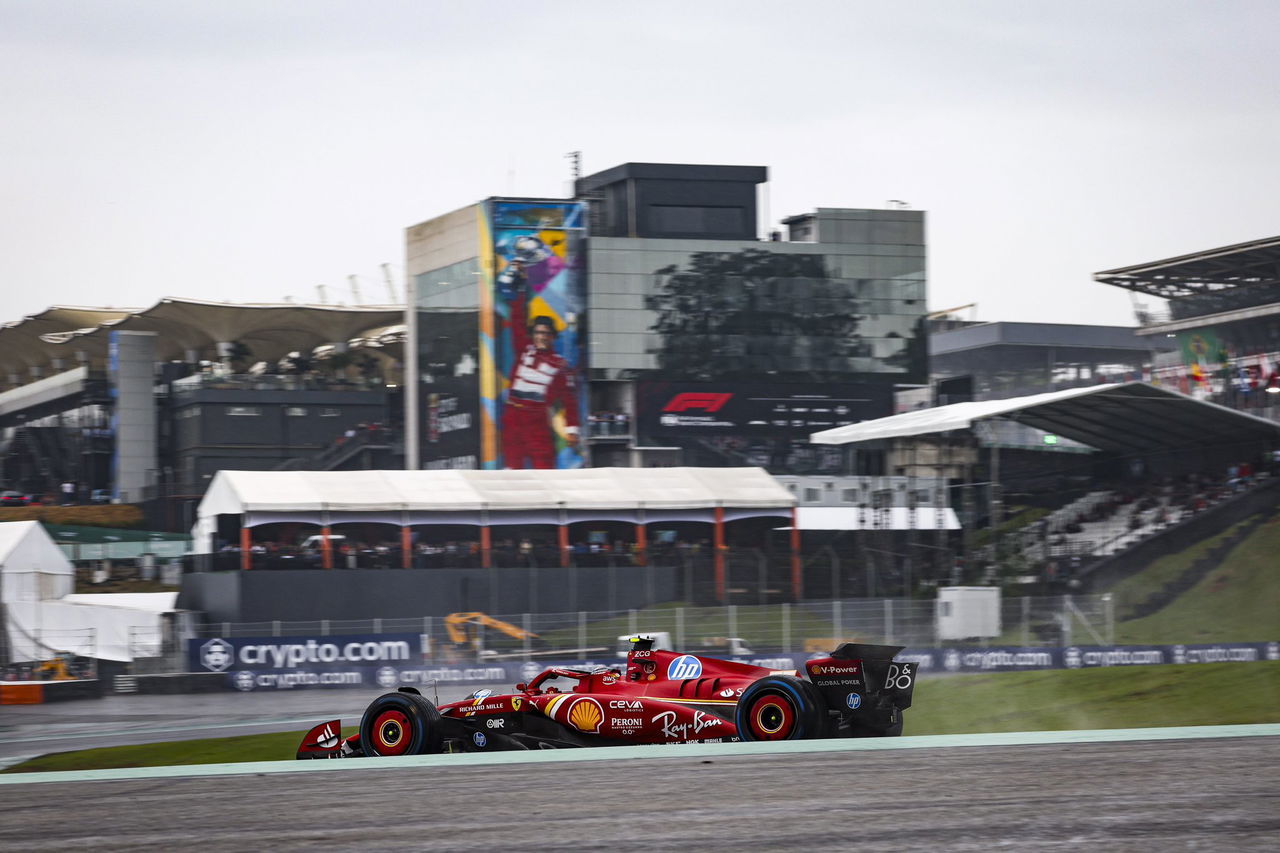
[[1209, 788]]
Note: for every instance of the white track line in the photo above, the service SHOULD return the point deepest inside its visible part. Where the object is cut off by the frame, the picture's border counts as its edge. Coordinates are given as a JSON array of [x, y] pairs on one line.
[[693, 750]]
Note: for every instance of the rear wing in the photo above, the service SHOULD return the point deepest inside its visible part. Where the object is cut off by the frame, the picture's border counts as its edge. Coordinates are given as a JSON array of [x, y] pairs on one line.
[[864, 680]]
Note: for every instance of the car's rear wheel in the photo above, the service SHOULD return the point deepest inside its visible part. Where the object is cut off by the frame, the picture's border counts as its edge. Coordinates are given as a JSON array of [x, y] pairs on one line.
[[780, 707], [400, 724]]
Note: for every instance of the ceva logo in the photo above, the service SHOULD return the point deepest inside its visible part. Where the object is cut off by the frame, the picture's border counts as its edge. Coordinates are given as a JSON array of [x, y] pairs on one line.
[[685, 666], [706, 401], [217, 655]]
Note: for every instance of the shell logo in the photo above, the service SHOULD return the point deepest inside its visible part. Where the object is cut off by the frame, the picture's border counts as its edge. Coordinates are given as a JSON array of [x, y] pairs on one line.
[[586, 715]]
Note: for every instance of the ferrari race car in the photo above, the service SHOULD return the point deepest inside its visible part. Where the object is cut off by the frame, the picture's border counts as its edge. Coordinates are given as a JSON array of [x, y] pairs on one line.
[[660, 697]]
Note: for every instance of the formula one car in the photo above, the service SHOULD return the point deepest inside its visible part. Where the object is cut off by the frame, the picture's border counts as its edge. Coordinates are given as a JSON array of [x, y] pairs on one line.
[[660, 697]]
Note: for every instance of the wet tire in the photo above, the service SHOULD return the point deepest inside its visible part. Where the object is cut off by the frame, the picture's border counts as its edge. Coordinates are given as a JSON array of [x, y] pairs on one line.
[[780, 707], [400, 724]]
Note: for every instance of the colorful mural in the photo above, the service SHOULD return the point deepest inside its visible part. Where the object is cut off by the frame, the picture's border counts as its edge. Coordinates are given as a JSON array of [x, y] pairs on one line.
[[533, 354]]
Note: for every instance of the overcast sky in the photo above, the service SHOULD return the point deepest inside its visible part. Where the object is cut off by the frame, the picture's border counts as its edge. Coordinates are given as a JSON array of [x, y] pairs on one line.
[[250, 150]]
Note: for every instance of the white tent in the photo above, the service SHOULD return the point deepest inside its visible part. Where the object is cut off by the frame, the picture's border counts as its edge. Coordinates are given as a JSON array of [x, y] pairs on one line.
[[489, 497], [32, 566], [44, 618]]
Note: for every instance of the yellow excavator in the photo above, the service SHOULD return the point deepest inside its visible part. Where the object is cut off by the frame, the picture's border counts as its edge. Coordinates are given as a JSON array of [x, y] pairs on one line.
[[462, 629]]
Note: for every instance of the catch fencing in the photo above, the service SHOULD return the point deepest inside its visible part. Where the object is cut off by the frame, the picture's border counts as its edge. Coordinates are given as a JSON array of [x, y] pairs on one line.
[[763, 629]]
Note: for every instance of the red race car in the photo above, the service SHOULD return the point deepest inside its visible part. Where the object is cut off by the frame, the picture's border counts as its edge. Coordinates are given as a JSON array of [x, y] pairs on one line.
[[660, 697]]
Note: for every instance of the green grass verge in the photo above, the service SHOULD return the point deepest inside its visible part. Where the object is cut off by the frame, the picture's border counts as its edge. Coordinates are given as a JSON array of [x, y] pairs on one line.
[[222, 750], [1117, 697], [1107, 698]]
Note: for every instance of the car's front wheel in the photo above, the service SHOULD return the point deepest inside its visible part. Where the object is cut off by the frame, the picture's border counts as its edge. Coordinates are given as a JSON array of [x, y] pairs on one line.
[[400, 724], [780, 707]]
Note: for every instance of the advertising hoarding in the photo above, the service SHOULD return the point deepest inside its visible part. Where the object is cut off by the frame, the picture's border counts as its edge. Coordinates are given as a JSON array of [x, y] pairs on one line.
[[760, 424]]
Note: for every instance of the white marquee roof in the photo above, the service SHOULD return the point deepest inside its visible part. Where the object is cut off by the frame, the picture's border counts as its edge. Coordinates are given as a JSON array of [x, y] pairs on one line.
[[238, 492]]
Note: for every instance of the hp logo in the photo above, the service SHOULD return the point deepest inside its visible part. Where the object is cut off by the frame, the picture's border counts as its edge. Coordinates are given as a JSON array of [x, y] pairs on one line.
[[685, 666]]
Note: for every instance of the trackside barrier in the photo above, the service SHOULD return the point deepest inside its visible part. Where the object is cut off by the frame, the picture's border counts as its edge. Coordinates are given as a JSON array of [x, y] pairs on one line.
[[393, 670]]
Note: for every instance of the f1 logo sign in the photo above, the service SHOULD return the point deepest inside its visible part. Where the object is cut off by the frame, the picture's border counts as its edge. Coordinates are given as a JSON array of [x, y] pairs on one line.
[[707, 401]]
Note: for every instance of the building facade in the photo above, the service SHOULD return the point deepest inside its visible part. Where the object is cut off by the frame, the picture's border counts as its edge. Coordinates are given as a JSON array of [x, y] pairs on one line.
[[690, 340]]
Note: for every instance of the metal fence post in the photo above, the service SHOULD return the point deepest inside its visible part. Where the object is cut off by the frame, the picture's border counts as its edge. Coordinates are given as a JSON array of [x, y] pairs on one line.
[[733, 620], [1066, 620], [633, 622], [275, 628], [1026, 620], [786, 627], [888, 621], [528, 633], [679, 628], [226, 629], [377, 625], [837, 620], [1108, 607], [324, 627], [582, 632]]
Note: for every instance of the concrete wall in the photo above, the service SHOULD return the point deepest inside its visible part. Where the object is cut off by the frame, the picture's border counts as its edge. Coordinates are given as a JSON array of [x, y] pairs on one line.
[[290, 596]]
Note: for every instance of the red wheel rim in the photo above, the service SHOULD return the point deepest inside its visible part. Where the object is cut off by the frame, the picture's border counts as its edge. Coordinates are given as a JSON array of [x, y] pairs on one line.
[[391, 733], [771, 718]]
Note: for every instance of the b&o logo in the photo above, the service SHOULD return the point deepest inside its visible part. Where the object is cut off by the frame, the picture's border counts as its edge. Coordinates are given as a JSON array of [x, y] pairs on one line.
[[244, 681], [1179, 654], [685, 666], [1072, 658], [387, 676], [528, 670], [1273, 651], [217, 655], [951, 660]]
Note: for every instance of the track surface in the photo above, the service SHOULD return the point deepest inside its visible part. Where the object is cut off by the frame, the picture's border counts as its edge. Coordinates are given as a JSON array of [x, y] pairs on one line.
[[1195, 794], [29, 730]]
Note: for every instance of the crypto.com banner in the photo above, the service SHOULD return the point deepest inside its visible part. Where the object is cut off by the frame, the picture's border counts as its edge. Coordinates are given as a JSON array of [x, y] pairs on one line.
[[388, 661]]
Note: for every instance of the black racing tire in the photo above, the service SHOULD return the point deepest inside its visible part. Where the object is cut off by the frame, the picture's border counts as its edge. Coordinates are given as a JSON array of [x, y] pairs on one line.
[[780, 707], [400, 724]]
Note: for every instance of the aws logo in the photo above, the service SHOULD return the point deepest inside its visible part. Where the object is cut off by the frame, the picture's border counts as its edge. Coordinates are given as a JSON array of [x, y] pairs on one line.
[[707, 401]]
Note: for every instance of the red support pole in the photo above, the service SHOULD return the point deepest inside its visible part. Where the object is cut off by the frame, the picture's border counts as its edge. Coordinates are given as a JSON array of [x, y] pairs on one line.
[[719, 546], [246, 550], [642, 545], [326, 548], [797, 573], [562, 535], [486, 547], [406, 548]]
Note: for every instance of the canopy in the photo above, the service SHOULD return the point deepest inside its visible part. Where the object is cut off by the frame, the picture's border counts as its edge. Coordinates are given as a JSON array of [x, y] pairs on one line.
[[1126, 417], [489, 497]]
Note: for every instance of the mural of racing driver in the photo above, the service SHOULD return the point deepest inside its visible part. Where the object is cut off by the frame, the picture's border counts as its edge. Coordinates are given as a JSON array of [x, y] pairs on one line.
[[542, 381]]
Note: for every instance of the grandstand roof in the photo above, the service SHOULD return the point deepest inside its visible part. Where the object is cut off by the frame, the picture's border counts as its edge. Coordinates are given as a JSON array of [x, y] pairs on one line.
[[1124, 418], [270, 330], [1256, 263]]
